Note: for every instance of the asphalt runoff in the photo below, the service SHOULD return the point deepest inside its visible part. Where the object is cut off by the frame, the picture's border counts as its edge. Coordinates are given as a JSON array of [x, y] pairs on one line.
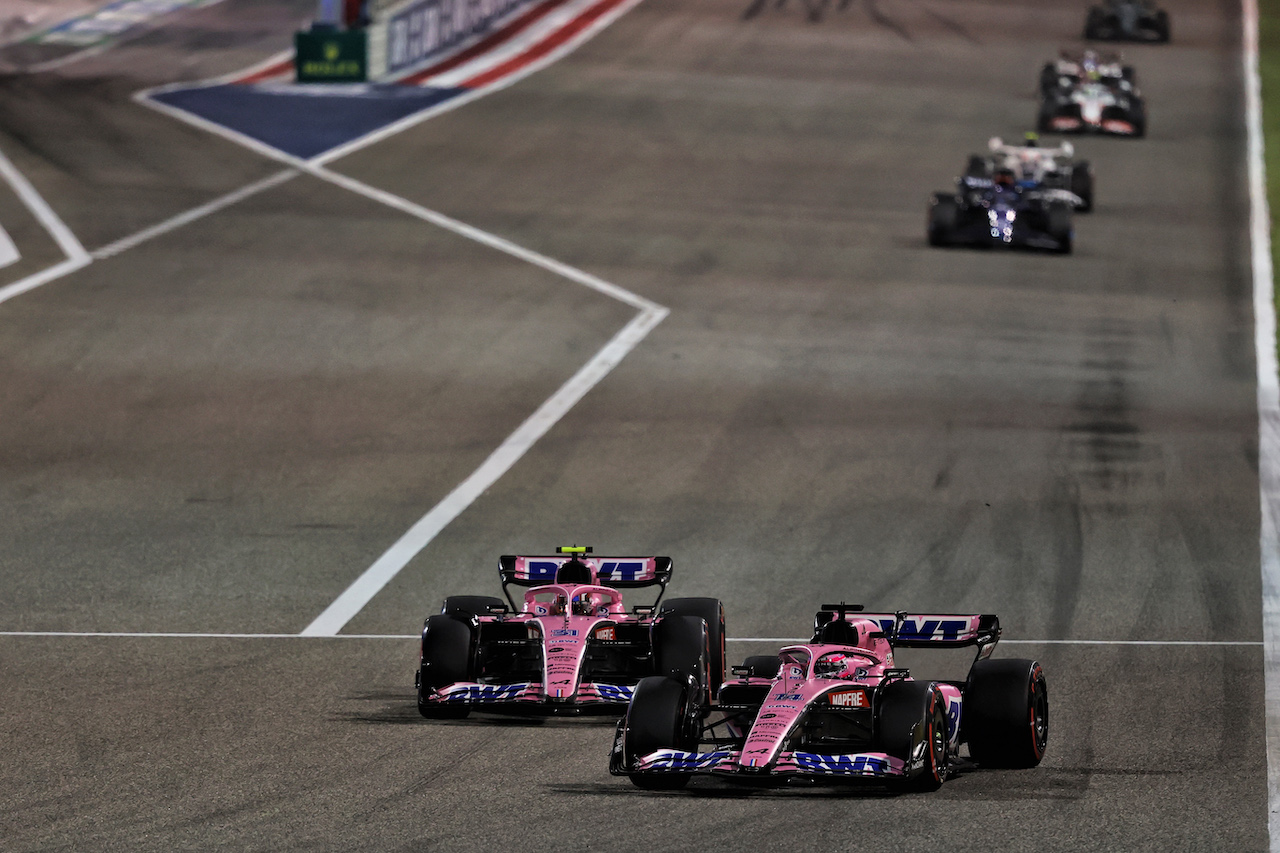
[[218, 430]]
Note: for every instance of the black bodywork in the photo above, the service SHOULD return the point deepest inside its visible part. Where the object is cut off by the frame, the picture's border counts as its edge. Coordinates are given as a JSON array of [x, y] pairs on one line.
[[983, 213], [1127, 20]]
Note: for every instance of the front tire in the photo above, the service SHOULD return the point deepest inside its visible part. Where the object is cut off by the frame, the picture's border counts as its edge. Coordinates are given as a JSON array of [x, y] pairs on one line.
[[912, 720], [446, 659], [682, 650], [1006, 713], [944, 215], [1082, 184], [659, 717]]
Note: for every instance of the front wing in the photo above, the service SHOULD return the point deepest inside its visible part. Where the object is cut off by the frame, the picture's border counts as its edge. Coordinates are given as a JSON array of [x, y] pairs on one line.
[[811, 766], [531, 697]]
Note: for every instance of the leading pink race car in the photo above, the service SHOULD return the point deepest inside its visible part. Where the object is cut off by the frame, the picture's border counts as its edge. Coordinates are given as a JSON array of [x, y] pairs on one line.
[[837, 709]]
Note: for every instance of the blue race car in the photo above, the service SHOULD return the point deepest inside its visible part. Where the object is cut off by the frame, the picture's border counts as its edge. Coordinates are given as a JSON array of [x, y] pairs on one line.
[[999, 211]]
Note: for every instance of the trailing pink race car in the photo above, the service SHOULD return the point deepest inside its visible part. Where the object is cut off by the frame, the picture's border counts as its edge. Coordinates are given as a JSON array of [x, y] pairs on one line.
[[569, 646], [837, 709]]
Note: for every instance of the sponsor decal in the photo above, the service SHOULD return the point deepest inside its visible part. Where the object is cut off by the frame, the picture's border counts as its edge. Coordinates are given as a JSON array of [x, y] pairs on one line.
[[953, 718], [848, 699], [785, 697], [674, 759], [795, 672], [844, 765], [606, 633], [929, 629], [484, 693], [623, 570], [431, 26], [767, 716], [564, 632], [555, 650], [615, 692]]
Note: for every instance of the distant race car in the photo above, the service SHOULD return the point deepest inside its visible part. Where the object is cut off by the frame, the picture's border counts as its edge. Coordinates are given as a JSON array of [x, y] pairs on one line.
[[568, 646], [1127, 20], [1074, 68], [998, 212], [837, 709], [1092, 106], [1037, 166]]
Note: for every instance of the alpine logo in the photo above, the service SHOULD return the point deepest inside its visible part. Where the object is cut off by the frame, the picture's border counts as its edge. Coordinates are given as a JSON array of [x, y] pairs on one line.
[[847, 699]]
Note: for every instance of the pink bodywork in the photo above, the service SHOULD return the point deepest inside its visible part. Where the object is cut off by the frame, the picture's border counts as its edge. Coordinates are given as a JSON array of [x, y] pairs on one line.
[[847, 675]]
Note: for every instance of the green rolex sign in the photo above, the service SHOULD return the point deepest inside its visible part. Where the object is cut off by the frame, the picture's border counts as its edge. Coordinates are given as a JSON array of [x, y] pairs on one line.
[[330, 56]]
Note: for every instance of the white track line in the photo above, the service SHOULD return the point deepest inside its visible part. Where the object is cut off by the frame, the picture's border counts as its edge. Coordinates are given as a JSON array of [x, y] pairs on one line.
[[185, 635], [8, 251], [56, 227], [1268, 412]]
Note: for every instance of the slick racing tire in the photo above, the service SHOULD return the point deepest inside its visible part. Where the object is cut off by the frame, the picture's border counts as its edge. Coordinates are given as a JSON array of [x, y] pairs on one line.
[[977, 167], [1058, 225], [911, 724], [711, 611], [762, 666], [470, 605], [682, 649], [1006, 713], [1163, 32], [660, 717], [1082, 184], [944, 215], [446, 659], [1048, 78], [1093, 23]]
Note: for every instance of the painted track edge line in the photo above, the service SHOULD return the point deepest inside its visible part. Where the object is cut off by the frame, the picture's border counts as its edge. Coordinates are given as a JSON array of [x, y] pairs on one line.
[[1268, 409]]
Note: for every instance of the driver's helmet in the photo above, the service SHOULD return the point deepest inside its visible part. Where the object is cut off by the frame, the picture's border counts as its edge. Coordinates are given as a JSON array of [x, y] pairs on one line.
[[1089, 61], [1003, 178], [584, 603], [833, 665], [1031, 139]]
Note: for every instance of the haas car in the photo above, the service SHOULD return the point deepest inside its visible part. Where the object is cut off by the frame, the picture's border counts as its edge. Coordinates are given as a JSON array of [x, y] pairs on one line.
[[1093, 106], [1036, 166], [998, 211], [568, 646], [1073, 68], [837, 709], [1127, 20]]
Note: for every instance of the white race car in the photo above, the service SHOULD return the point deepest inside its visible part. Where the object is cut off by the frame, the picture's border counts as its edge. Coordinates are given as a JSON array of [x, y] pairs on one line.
[[1036, 166]]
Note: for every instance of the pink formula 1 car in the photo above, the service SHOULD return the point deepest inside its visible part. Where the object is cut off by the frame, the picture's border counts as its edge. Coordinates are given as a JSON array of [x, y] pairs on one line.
[[568, 646], [836, 709]]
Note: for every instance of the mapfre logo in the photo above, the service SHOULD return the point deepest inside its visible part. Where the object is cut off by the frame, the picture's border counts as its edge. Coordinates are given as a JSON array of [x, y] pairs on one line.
[[848, 699], [606, 634]]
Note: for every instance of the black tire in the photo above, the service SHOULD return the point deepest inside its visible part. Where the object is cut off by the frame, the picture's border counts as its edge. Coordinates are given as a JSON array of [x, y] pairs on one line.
[[1163, 31], [1058, 225], [470, 605], [977, 167], [910, 712], [1048, 78], [447, 653], [711, 611], [1006, 713], [682, 649], [659, 717], [944, 215], [1082, 184], [762, 666], [1093, 23]]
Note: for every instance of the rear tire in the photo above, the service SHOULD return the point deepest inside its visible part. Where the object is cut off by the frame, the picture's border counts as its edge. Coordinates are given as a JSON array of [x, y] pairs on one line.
[[944, 214], [1082, 184], [1058, 226], [1163, 31], [1093, 23], [1005, 716], [659, 718], [912, 713], [682, 649], [446, 659], [711, 611]]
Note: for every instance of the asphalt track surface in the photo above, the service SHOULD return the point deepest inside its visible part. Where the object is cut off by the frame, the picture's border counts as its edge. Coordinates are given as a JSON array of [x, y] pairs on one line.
[[218, 430]]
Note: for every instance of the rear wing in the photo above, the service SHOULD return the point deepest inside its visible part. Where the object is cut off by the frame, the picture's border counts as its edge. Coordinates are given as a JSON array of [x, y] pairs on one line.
[[615, 572], [925, 630]]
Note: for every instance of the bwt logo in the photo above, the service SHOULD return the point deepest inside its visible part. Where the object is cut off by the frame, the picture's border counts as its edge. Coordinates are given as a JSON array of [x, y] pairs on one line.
[[850, 765], [929, 629], [671, 759], [622, 570], [486, 692]]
